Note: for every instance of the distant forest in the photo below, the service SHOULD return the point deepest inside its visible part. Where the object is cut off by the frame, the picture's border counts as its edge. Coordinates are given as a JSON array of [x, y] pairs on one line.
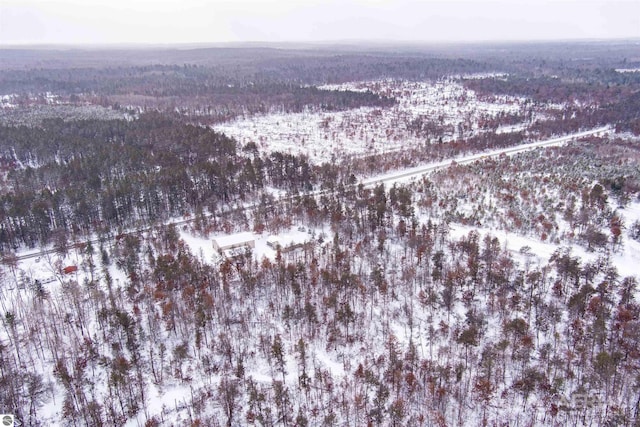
[[82, 176]]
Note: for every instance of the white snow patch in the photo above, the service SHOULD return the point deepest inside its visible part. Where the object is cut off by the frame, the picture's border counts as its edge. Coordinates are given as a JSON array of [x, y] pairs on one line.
[[325, 136]]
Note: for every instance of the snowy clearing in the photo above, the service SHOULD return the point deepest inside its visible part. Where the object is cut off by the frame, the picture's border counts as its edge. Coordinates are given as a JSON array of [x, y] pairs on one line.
[[451, 110]]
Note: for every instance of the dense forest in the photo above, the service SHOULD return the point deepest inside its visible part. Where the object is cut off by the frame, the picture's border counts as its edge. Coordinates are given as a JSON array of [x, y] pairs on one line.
[[102, 176], [499, 291]]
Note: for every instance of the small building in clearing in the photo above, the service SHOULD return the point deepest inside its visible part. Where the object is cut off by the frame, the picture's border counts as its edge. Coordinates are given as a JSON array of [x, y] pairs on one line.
[[287, 243], [232, 241], [70, 269]]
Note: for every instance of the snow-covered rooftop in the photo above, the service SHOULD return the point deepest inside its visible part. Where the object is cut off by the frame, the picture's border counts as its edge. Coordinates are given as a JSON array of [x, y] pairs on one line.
[[232, 240]]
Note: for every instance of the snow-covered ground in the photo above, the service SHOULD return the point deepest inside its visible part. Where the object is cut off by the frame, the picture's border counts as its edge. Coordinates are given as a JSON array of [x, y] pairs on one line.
[[323, 136], [48, 98], [201, 246], [383, 328], [386, 328], [626, 260]]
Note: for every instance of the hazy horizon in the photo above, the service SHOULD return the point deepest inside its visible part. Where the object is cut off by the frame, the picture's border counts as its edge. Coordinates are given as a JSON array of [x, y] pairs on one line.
[[199, 22], [258, 44]]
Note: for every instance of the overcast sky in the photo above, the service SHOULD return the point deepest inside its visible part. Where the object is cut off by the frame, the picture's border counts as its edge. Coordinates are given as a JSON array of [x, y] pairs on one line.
[[202, 21]]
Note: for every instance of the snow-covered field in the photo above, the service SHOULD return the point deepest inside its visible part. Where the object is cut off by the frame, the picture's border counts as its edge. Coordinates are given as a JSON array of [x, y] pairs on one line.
[[323, 136]]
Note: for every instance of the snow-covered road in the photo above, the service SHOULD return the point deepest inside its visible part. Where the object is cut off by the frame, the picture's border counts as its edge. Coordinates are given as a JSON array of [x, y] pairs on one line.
[[405, 174]]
